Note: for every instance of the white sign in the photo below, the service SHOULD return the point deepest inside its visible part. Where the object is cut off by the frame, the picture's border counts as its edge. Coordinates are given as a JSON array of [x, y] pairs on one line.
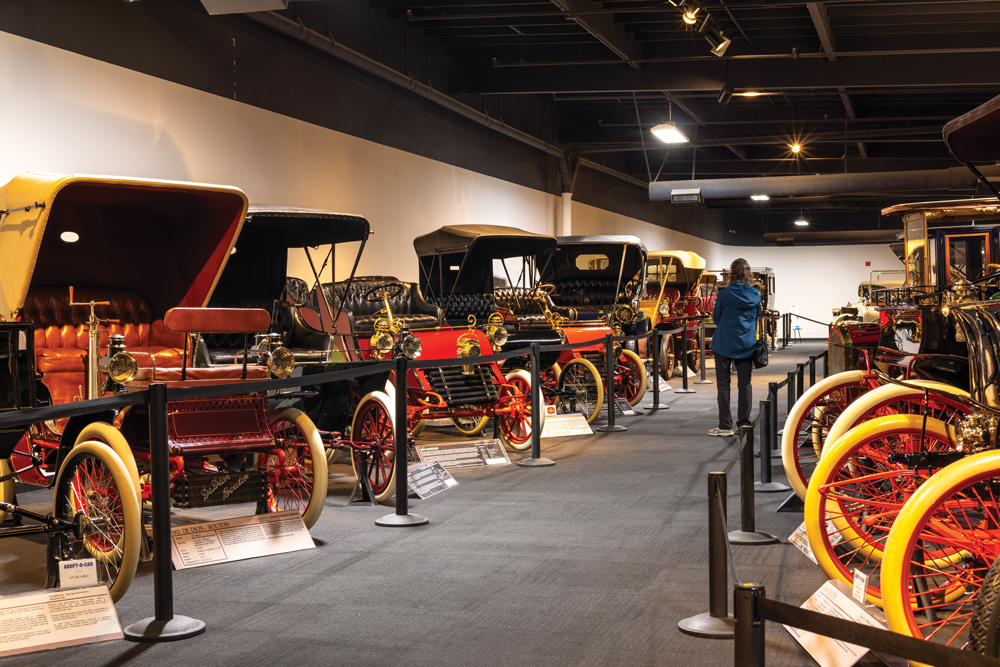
[[562, 425], [664, 386], [801, 541], [57, 618], [76, 573], [237, 539], [860, 589], [829, 652], [464, 454], [429, 479]]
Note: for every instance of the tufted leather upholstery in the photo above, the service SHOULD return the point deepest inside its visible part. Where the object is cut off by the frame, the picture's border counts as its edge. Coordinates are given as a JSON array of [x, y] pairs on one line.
[[297, 291], [61, 333], [409, 305], [463, 305], [584, 292], [530, 311], [304, 342]]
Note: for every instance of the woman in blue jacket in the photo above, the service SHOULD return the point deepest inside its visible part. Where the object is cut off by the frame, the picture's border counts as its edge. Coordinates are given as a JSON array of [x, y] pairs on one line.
[[735, 315]]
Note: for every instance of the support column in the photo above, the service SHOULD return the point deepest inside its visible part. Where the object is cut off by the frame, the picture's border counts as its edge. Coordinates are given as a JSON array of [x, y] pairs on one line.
[[566, 218]]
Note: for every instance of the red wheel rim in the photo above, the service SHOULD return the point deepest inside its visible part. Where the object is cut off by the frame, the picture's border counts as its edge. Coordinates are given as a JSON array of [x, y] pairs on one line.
[[374, 428], [627, 378], [817, 419], [516, 426], [288, 469]]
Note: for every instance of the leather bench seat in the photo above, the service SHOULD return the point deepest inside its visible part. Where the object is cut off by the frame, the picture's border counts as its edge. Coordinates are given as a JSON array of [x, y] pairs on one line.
[[463, 305], [409, 304], [585, 292], [73, 359], [304, 342]]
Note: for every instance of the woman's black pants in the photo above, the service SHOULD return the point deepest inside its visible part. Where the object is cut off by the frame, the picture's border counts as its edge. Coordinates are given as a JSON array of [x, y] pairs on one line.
[[744, 369]]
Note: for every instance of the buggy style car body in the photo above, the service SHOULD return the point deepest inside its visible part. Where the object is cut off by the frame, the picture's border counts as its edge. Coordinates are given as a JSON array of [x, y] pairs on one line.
[[100, 321], [304, 317], [671, 299]]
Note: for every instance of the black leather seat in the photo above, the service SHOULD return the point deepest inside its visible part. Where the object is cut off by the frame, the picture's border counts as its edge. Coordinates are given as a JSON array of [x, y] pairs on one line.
[[585, 292], [529, 312], [463, 305], [409, 305], [304, 342]]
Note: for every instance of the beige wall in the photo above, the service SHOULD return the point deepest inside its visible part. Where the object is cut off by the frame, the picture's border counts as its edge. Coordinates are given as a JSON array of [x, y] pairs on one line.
[[66, 113]]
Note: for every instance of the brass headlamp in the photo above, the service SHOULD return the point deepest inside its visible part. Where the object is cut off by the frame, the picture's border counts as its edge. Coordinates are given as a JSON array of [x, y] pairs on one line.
[[496, 332], [281, 362], [616, 349], [468, 346], [975, 433], [382, 341], [120, 366], [624, 313]]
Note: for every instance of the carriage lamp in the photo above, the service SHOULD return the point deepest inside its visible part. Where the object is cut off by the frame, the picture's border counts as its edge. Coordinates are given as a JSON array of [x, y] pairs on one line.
[[282, 362], [616, 349], [496, 332], [411, 346], [624, 313], [468, 346], [665, 309], [121, 369]]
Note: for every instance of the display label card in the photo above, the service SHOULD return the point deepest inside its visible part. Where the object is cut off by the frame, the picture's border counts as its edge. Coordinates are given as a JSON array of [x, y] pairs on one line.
[[562, 425], [464, 454], [237, 539], [76, 573], [428, 479], [830, 600], [622, 409], [858, 592], [56, 618], [801, 541], [664, 386]]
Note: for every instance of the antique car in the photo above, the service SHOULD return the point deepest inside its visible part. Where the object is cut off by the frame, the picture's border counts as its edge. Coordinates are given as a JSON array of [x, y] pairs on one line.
[[304, 317], [459, 268], [672, 300], [103, 322], [601, 278]]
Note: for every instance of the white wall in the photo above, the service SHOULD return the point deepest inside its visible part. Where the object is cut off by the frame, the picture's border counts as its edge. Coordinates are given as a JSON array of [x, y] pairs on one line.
[[66, 113]]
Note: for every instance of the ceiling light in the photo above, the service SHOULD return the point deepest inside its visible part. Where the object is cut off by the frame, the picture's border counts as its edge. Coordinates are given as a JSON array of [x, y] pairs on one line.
[[726, 93], [750, 94], [716, 40], [69, 237], [802, 222], [759, 197], [669, 134], [690, 16], [795, 147]]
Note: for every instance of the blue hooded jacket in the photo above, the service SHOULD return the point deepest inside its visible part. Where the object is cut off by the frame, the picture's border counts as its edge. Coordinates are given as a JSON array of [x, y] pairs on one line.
[[735, 314]]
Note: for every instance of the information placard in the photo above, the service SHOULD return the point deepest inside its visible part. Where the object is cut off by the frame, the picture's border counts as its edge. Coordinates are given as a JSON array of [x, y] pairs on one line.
[[428, 479], [622, 409], [558, 426], [830, 600], [237, 539], [56, 618], [799, 539], [464, 454]]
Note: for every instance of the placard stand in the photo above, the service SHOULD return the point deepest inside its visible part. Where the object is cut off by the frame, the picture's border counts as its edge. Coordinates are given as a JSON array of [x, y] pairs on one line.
[[367, 494]]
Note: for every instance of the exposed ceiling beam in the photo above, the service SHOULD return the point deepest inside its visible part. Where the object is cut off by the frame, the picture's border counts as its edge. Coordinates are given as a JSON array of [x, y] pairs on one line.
[[883, 71], [604, 29]]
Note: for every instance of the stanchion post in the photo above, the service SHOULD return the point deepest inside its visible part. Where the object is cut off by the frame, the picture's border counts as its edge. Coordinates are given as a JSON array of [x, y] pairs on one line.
[[655, 405], [401, 517], [748, 533], [768, 412], [791, 390], [701, 350], [748, 649], [609, 397], [772, 399], [717, 623], [800, 373], [163, 626], [812, 371], [826, 365], [684, 361], [536, 460]]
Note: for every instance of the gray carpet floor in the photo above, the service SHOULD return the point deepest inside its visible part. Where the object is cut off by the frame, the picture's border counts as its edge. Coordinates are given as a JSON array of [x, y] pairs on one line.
[[590, 562]]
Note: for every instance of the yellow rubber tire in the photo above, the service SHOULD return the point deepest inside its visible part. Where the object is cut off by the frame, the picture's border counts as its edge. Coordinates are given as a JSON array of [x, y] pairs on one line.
[[820, 509], [112, 528], [585, 381], [313, 475], [906, 531], [113, 438], [796, 470]]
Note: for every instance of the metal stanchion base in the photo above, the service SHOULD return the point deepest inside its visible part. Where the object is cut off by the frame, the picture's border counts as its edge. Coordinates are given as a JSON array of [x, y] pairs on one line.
[[401, 520], [656, 406], [770, 487], [791, 504], [151, 630], [541, 462], [758, 537], [708, 626], [685, 391], [702, 382], [609, 429]]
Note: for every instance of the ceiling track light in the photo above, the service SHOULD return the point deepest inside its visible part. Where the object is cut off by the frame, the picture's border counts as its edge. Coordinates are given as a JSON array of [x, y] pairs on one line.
[[726, 93], [718, 41]]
